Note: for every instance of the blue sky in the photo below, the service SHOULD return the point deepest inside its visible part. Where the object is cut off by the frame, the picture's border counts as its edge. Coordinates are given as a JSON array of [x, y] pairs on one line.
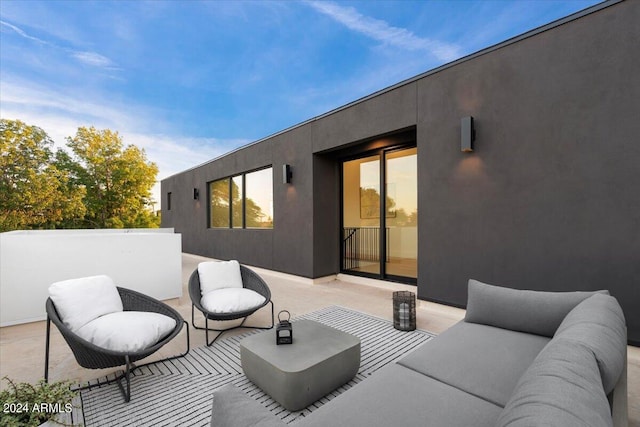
[[190, 80]]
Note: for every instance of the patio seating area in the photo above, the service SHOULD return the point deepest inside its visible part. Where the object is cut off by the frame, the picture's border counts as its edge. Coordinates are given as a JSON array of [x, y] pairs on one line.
[[22, 347]]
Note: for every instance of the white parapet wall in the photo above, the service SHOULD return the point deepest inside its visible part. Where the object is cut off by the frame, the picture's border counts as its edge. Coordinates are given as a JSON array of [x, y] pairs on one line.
[[146, 260]]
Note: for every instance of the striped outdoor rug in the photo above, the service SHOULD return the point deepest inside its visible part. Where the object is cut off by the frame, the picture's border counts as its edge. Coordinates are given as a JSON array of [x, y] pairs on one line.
[[179, 392]]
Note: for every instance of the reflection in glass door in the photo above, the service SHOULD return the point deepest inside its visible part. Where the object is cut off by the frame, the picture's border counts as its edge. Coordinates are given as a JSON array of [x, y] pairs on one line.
[[361, 215], [381, 239], [402, 213]]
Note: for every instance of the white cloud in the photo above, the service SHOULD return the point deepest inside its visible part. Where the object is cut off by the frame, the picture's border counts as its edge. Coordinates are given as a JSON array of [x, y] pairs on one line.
[[89, 58], [21, 32], [381, 31], [25, 96], [92, 58]]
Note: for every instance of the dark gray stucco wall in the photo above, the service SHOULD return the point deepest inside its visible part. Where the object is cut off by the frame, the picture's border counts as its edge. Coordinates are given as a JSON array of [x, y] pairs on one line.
[[379, 115], [326, 216], [287, 247], [548, 200]]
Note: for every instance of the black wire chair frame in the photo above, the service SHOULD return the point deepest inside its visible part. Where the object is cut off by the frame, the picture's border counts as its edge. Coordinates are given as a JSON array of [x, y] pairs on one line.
[[250, 280], [91, 356]]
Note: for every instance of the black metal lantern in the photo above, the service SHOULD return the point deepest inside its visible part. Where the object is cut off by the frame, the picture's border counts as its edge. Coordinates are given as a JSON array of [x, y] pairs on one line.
[[404, 310], [284, 330]]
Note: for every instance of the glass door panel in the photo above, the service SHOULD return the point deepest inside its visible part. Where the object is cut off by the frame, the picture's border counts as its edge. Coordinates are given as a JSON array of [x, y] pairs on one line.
[[401, 207], [361, 215]]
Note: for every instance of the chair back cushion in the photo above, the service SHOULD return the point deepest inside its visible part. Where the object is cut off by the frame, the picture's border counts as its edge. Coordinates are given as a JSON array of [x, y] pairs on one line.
[[219, 275], [127, 331], [231, 300], [79, 301]]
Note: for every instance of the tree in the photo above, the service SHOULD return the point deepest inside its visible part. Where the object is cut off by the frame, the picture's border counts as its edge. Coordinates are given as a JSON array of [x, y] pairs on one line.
[[118, 179], [254, 217], [34, 193]]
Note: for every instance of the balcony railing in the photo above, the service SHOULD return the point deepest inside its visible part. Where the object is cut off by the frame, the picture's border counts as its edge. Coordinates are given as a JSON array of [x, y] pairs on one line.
[[360, 244]]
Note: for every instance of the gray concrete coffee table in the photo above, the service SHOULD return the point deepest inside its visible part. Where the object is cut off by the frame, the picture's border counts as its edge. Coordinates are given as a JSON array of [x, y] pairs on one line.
[[320, 360]]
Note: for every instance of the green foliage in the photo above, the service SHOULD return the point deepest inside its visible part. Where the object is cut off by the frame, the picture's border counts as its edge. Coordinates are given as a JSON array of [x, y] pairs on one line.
[[24, 404], [34, 193], [101, 184], [118, 179]]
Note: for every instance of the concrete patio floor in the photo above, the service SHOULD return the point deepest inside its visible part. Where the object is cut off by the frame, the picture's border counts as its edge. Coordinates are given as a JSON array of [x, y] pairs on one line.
[[22, 347]]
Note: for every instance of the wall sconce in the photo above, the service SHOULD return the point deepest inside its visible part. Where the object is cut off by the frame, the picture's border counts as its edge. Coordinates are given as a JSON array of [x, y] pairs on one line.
[[196, 194], [468, 134], [286, 174]]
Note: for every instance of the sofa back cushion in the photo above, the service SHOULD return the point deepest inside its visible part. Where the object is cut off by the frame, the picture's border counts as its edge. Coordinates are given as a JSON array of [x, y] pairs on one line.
[[598, 324], [562, 387], [534, 312]]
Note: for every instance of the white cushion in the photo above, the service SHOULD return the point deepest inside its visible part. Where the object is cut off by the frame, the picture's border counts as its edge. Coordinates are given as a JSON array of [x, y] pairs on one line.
[[127, 331], [218, 275], [231, 300], [79, 301]]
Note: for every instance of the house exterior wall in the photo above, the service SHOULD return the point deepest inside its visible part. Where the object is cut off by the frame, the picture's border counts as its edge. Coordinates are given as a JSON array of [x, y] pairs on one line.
[[548, 200]]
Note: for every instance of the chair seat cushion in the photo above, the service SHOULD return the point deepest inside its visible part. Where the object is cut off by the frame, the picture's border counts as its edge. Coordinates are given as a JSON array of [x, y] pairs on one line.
[[127, 331], [219, 275], [478, 359], [231, 300], [79, 301]]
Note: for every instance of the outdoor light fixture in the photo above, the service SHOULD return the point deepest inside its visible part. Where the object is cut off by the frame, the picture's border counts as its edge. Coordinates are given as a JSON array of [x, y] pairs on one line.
[[196, 194], [286, 174], [468, 134]]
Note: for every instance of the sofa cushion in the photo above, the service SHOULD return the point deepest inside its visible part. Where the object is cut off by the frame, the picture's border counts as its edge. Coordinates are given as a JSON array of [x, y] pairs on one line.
[[79, 301], [479, 359], [397, 396], [561, 388], [534, 312], [127, 331], [231, 300], [233, 408], [218, 275], [598, 323]]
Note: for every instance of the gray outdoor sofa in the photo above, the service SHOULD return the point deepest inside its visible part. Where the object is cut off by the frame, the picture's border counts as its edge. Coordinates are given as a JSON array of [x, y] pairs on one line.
[[519, 358]]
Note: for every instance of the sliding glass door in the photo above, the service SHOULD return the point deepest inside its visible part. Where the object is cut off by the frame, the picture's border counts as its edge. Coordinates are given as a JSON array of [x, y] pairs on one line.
[[380, 215], [402, 213], [361, 215]]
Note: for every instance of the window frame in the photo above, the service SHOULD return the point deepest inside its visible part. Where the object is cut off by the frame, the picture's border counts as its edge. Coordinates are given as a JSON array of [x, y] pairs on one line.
[[243, 193]]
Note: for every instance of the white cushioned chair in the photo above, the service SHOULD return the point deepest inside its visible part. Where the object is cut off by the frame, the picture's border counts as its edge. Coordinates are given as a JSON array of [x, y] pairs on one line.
[[226, 290], [107, 326]]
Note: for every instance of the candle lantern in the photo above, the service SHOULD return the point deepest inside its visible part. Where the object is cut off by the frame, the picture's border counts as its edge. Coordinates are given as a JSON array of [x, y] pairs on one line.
[[404, 310], [284, 329]]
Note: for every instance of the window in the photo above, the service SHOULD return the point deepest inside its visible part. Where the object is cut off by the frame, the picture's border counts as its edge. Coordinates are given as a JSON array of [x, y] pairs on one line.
[[242, 201], [219, 209], [259, 199], [169, 201]]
